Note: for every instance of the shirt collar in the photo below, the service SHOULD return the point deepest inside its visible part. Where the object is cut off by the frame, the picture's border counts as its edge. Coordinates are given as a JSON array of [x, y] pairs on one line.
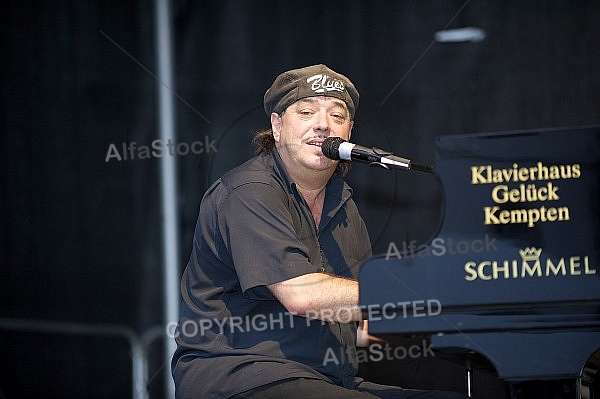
[[336, 194]]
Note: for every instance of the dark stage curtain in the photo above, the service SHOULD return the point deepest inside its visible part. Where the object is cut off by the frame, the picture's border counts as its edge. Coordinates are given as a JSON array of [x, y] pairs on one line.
[[80, 238]]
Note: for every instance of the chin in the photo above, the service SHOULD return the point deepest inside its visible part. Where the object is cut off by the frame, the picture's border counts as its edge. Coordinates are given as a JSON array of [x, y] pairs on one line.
[[322, 164]]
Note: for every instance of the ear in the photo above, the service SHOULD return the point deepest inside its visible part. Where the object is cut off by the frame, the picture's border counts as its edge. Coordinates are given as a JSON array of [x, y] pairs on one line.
[[276, 126]]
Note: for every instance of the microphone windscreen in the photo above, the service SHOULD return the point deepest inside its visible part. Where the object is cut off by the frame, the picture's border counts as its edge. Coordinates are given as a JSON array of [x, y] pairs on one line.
[[331, 147]]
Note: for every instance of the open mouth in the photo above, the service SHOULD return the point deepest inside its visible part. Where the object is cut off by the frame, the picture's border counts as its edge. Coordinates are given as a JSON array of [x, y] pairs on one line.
[[315, 142]]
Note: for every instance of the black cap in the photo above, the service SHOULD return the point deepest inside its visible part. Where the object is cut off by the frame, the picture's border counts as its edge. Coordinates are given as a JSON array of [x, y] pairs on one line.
[[315, 80]]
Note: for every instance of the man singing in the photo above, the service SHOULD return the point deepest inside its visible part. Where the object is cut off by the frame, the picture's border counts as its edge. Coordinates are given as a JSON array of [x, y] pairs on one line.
[[271, 285]]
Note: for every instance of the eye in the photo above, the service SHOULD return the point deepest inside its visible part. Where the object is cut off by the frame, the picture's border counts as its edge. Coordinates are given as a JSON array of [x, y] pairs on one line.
[[306, 112], [338, 116]]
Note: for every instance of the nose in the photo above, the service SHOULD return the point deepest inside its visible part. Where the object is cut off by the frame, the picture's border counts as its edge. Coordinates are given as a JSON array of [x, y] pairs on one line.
[[322, 123]]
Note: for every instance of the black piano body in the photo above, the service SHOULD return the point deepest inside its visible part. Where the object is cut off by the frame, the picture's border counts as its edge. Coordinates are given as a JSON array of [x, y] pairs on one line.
[[512, 278]]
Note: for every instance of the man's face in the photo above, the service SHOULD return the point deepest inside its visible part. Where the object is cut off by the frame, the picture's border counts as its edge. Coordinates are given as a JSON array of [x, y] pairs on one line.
[[300, 130]]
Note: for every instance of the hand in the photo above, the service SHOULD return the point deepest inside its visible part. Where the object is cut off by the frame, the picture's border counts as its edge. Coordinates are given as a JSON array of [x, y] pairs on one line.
[[362, 335]]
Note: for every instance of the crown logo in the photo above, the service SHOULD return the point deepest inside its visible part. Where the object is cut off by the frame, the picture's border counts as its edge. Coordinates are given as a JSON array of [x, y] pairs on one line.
[[530, 254]]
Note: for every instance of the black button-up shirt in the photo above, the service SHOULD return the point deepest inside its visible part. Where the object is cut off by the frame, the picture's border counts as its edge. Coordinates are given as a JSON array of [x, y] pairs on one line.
[[254, 229]]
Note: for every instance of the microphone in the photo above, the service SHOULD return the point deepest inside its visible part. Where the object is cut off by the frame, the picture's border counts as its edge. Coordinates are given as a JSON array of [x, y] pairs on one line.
[[337, 148]]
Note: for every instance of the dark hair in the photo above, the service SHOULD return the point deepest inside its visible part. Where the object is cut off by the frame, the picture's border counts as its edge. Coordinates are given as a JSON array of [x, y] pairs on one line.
[[265, 142]]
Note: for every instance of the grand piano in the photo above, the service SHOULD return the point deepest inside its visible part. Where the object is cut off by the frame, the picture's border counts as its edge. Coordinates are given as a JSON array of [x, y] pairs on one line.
[[511, 280]]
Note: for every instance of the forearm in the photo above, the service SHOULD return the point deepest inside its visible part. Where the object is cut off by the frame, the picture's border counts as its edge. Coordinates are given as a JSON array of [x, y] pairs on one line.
[[320, 296]]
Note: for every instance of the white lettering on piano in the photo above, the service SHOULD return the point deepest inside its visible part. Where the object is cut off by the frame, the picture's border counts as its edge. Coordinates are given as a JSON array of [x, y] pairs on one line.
[[529, 266]]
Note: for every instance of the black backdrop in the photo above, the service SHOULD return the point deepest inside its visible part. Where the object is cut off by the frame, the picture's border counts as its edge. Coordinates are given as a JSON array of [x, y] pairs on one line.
[[80, 238]]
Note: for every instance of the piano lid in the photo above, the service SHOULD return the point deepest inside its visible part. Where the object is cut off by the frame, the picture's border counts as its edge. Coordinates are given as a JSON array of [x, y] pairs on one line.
[[520, 230], [514, 272]]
